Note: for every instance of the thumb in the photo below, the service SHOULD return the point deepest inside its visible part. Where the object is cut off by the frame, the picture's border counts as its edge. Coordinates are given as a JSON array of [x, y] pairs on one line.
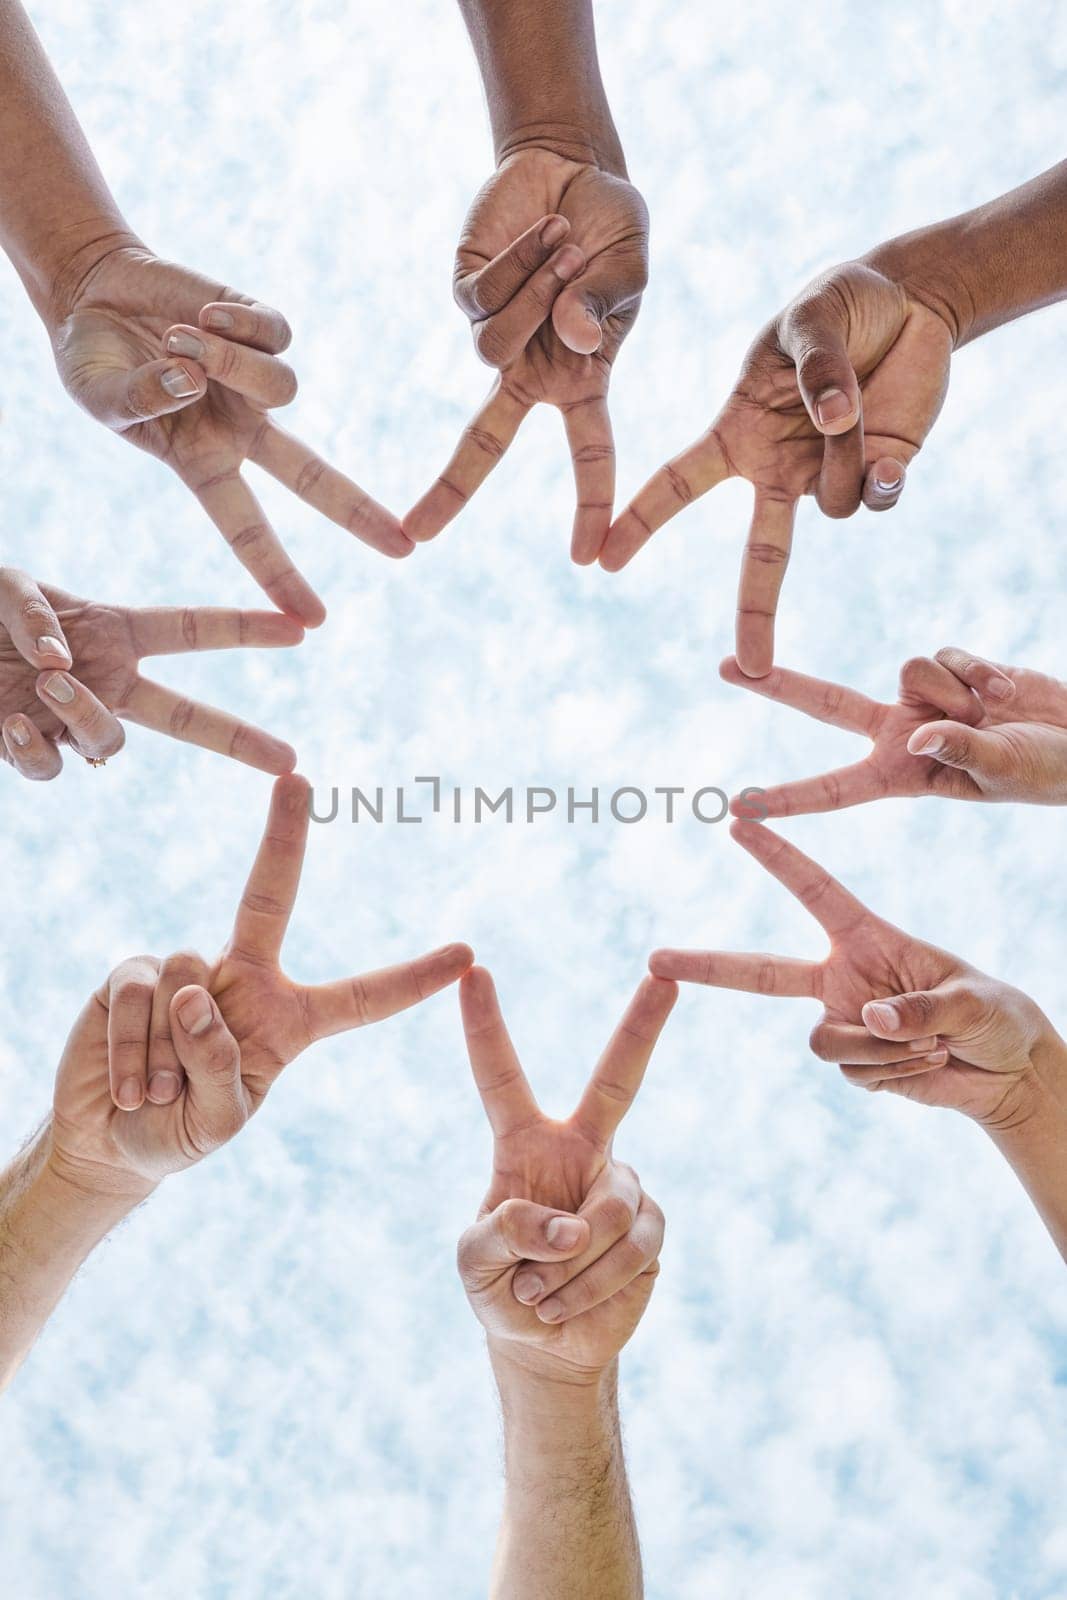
[[216, 1103], [612, 282], [814, 336], [519, 1230], [981, 754], [121, 398], [951, 1010]]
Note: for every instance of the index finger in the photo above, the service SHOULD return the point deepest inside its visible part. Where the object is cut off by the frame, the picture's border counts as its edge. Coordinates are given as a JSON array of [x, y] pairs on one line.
[[330, 492], [831, 703], [828, 901], [770, 539], [270, 893], [241, 520], [700, 468], [506, 1094], [176, 630], [481, 446], [357, 1002], [247, 321], [618, 1074]]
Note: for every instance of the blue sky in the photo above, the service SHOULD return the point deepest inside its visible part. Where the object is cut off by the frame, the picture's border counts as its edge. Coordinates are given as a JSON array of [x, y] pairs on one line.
[[851, 1379]]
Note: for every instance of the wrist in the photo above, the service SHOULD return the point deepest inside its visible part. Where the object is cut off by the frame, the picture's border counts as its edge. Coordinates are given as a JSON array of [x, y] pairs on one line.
[[57, 279], [79, 1185], [932, 268], [588, 140], [541, 1385]]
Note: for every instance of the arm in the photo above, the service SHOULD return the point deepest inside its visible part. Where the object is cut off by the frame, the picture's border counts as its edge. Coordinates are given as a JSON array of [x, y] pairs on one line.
[[542, 79], [49, 1224], [57, 215], [568, 1527], [990, 265]]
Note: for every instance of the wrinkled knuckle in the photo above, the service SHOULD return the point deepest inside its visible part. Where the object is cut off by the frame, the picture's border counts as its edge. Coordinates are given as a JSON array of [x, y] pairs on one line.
[[286, 383], [616, 1214], [221, 1057], [490, 344], [820, 1042], [918, 1010], [228, 362]]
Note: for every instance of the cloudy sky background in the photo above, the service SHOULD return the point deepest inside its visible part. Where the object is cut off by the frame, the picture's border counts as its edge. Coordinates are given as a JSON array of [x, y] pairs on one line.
[[852, 1377]]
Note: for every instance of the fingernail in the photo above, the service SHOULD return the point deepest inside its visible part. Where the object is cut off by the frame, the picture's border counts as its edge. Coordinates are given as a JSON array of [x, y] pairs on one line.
[[931, 746], [59, 688], [922, 1047], [568, 264], [563, 1233], [185, 344], [832, 405], [222, 320], [938, 1058], [550, 1310], [178, 383], [196, 1014], [1000, 688], [163, 1087], [884, 1017], [554, 231], [52, 647], [527, 1287], [19, 732], [886, 487], [129, 1094]]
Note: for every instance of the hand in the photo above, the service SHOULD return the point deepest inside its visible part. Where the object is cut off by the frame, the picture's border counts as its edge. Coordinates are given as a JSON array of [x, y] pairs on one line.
[[188, 371], [561, 1263], [964, 728], [69, 671], [550, 316], [898, 1014], [835, 397], [169, 1059]]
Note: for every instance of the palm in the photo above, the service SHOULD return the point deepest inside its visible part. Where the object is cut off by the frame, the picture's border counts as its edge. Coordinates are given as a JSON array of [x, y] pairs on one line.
[[1026, 734], [108, 644], [101, 641], [900, 353], [566, 1166], [605, 214], [871, 960], [112, 354], [271, 1019], [118, 325]]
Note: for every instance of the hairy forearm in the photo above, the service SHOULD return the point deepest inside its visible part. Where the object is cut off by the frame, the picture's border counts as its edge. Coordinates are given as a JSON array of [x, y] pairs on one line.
[[990, 265], [48, 1226], [57, 215], [1034, 1140], [568, 1528], [538, 62]]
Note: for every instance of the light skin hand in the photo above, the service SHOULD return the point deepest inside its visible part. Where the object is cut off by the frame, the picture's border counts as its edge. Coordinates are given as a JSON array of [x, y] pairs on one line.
[[125, 1103], [963, 727], [177, 363], [561, 1263], [188, 370], [559, 1268], [167, 1062], [70, 669], [904, 1016]]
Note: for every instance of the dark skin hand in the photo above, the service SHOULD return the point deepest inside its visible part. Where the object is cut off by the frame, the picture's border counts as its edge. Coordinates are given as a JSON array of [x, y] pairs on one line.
[[550, 268]]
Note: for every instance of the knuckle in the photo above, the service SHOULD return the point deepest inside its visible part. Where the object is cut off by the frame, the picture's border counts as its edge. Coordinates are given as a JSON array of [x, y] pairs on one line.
[[820, 1042], [918, 1009], [615, 1214], [490, 344]]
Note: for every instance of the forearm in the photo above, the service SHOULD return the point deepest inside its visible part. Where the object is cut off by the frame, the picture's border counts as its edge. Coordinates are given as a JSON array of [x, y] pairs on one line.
[[1034, 1141], [538, 62], [990, 265], [568, 1528], [57, 215], [48, 1226]]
